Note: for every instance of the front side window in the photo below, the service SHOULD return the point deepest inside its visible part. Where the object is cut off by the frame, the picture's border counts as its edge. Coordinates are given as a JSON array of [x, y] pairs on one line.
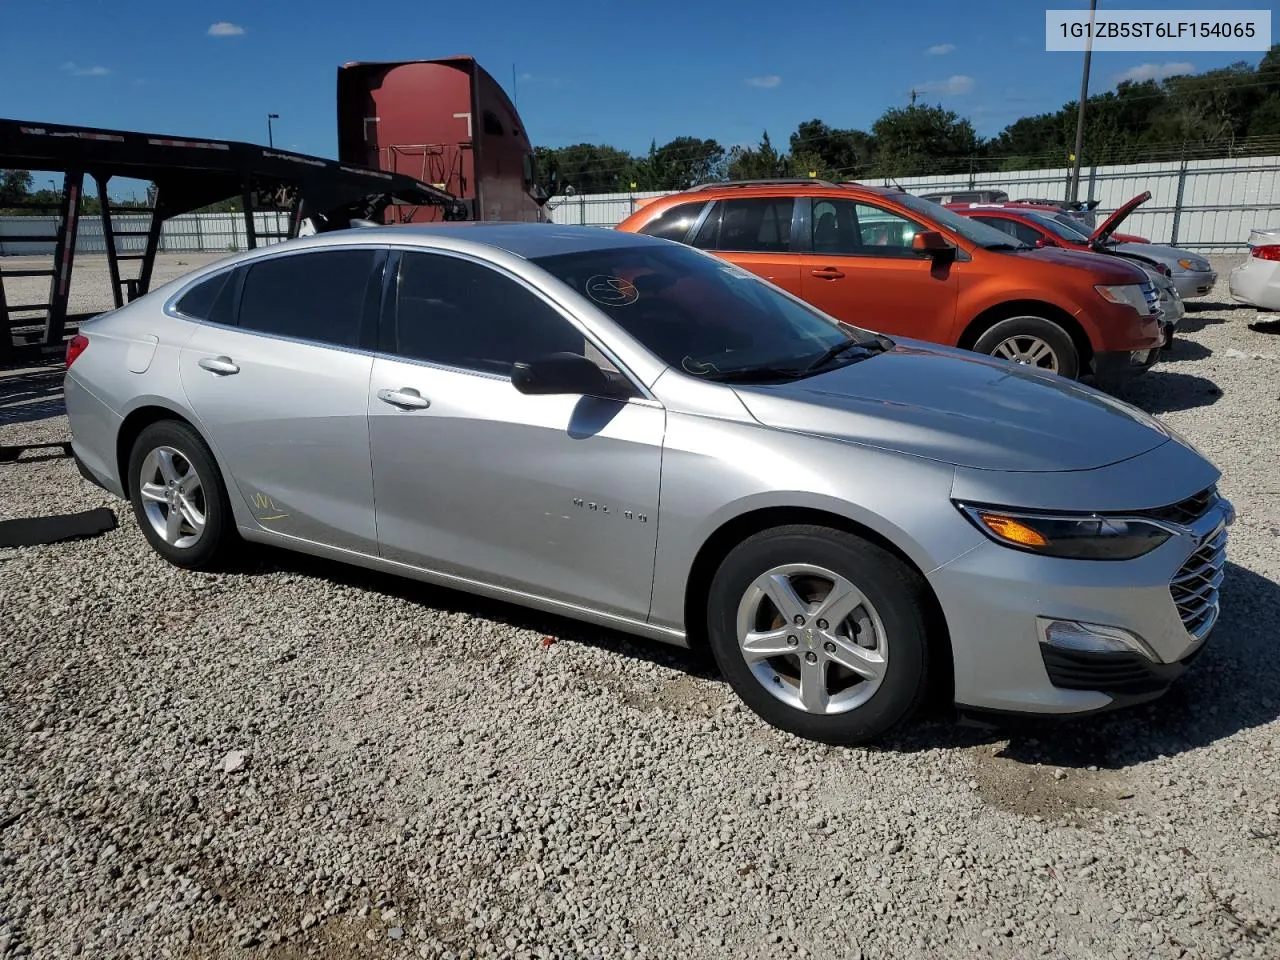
[[460, 313], [320, 295], [851, 228], [698, 313], [748, 225], [966, 227]]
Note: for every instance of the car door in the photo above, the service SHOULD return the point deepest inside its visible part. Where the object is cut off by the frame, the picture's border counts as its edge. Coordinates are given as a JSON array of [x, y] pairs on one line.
[[860, 268], [281, 391], [551, 495], [756, 233]]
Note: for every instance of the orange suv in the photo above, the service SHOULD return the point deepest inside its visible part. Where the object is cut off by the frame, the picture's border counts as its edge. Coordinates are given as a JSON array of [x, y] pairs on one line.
[[885, 260]]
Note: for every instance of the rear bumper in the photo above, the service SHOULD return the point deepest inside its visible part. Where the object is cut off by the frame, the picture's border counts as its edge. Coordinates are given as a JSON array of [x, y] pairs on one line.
[[1257, 283]]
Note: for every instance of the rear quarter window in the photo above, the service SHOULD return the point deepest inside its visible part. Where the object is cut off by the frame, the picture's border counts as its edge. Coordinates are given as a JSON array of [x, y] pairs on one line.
[[212, 300], [675, 223]]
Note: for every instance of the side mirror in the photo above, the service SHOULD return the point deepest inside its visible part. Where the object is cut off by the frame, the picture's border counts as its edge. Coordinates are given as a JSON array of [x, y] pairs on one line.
[[930, 243], [1045, 242], [560, 373]]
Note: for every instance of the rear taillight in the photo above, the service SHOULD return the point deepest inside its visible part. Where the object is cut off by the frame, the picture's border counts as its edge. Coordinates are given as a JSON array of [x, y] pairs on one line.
[[75, 347], [1270, 251]]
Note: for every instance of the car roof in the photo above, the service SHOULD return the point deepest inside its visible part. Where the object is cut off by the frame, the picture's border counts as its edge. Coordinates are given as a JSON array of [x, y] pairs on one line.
[[523, 239], [784, 187]]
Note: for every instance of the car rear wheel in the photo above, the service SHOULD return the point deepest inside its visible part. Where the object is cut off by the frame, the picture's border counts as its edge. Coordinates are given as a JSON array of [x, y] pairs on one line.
[[821, 633], [179, 498], [1033, 341]]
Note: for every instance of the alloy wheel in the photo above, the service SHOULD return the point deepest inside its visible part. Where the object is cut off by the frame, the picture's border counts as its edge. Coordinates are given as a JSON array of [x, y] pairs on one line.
[[812, 639], [173, 497]]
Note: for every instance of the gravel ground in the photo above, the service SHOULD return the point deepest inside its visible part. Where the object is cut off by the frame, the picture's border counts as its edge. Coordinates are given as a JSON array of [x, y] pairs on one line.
[[307, 760]]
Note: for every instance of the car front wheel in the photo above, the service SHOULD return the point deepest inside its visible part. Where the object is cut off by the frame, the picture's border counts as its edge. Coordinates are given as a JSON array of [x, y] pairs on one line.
[[1034, 342], [178, 496], [821, 633]]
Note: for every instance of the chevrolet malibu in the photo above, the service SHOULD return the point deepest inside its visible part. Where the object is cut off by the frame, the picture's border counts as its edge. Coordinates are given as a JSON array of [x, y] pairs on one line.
[[631, 432]]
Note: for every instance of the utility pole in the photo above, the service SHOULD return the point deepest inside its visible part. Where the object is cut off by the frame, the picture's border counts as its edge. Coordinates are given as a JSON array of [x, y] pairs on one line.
[[1084, 95], [270, 139]]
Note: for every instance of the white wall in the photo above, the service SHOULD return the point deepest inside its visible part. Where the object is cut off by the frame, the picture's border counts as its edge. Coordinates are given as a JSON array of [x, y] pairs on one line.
[[203, 232]]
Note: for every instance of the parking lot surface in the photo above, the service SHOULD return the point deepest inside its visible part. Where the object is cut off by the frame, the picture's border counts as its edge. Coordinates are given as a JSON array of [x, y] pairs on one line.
[[302, 759]]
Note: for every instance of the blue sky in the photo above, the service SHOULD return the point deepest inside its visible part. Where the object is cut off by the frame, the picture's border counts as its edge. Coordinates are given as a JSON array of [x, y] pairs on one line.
[[588, 71]]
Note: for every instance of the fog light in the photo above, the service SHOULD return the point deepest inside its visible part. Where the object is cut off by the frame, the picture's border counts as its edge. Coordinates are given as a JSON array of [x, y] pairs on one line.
[[1092, 638]]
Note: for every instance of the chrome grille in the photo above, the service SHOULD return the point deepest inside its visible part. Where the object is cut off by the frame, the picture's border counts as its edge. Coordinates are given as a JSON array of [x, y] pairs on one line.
[[1195, 586], [1186, 511], [1152, 296]]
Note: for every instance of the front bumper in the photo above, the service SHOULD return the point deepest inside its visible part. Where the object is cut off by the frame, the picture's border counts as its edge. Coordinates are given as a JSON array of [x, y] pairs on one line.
[[996, 601], [1120, 364], [1192, 285]]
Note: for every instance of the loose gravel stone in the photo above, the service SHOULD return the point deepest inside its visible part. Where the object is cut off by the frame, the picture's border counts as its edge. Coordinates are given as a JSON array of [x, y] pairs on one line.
[[421, 761]]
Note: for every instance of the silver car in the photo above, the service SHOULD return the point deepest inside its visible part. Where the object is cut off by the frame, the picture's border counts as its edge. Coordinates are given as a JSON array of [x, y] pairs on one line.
[[634, 433]]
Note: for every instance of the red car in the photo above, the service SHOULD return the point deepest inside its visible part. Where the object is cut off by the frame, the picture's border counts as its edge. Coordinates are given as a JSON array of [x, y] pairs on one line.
[[1053, 212]]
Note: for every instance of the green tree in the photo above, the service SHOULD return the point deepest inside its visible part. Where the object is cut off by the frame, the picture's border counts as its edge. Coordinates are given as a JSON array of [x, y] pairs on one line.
[[590, 167], [761, 162], [680, 164], [919, 139], [15, 185], [831, 153]]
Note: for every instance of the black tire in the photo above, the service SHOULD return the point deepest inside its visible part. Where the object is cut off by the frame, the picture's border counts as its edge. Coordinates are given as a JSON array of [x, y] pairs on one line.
[[1026, 328], [895, 590], [215, 544]]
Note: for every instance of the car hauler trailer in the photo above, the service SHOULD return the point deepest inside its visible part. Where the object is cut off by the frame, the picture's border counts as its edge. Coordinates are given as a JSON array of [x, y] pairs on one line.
[[446, 122], [188, 173]]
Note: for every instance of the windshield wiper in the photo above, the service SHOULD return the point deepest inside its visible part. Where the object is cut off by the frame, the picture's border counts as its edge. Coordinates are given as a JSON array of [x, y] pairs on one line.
[[749, 374], [836, 349]]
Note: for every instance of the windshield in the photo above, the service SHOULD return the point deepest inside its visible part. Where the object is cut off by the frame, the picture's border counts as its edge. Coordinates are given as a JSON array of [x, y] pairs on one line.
[[1061, 224], [972, 230], [701, 314]]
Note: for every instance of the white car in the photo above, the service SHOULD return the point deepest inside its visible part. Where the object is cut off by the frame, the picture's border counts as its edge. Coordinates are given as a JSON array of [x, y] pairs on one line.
[[1257, 280]]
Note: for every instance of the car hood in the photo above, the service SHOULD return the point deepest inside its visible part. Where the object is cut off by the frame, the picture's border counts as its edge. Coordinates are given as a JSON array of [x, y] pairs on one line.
[[1158, 251], [1106, 269], [1112, 223], [960, 408]]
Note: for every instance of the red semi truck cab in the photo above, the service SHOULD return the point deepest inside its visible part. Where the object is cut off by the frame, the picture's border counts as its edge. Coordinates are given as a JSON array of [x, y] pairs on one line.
[[446, 122]]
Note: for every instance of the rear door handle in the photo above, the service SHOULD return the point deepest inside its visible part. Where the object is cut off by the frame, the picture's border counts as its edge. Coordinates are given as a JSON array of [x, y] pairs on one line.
[[827, 273], [222, 366], [406, 398]]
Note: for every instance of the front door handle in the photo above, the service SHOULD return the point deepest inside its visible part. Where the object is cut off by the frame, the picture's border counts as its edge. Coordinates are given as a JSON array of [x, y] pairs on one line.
[[222, 366], [406, 398], [827, 273]]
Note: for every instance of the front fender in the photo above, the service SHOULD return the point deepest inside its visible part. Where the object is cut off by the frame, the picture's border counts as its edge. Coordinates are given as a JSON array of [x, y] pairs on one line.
[[715, 472]]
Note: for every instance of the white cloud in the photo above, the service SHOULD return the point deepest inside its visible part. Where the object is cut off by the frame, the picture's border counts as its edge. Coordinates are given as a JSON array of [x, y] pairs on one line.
[[940, 49], [78, 71], [526, 77], [956, 86], [225, 28], [1155, 71], [767, 80]]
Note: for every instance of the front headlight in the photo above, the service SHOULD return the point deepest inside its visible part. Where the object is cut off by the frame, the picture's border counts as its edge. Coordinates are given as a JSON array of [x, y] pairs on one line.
[[1124, 294], [1081, 537], [1190, 264]]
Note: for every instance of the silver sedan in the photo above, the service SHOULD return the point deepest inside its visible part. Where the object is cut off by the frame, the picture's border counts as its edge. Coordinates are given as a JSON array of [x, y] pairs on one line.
[[634, 433]]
